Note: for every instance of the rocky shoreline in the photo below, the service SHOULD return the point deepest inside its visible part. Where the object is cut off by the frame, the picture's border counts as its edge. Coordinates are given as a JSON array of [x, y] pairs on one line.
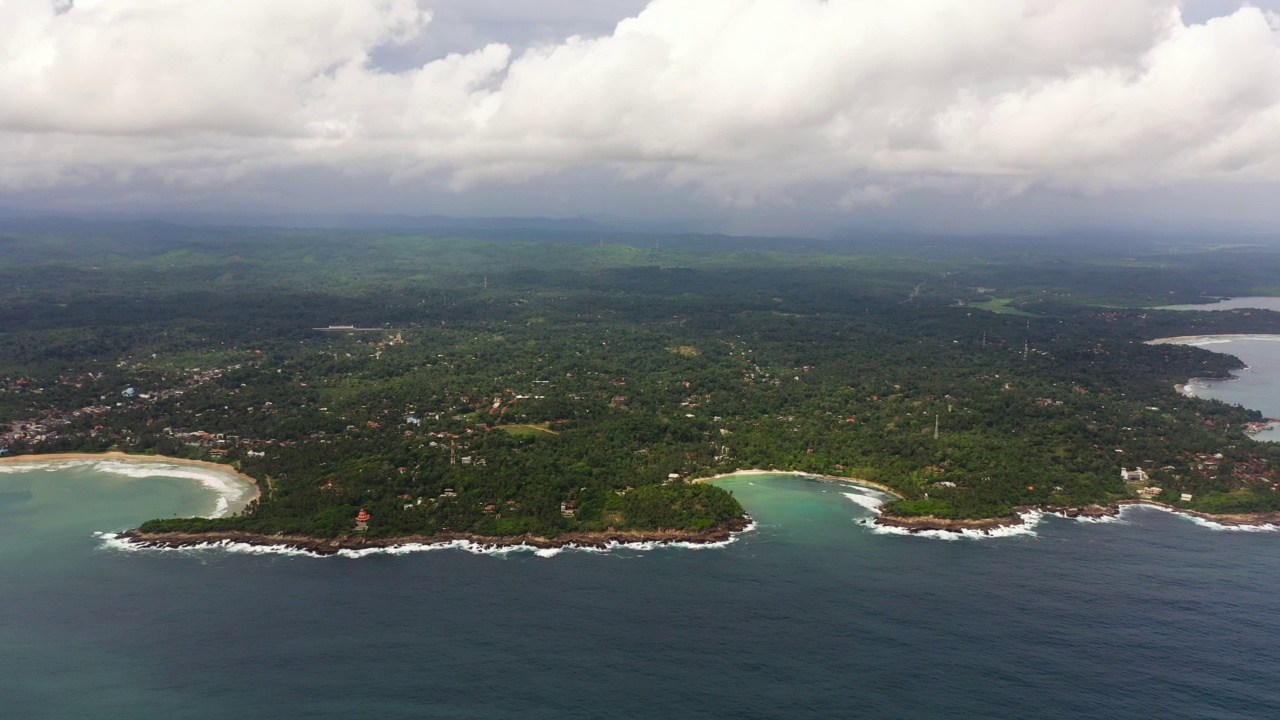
[[332, 546], [927, 523], [1230, 520]]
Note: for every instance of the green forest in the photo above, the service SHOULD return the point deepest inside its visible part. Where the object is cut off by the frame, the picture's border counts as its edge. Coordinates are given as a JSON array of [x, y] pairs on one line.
[[519, 382]]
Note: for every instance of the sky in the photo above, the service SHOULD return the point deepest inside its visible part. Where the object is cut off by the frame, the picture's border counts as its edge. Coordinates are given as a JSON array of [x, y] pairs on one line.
[[748, 116]]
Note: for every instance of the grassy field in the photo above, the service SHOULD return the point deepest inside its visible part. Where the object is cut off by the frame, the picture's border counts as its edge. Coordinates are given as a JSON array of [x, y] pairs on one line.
[[528, 430], [1001, 306]]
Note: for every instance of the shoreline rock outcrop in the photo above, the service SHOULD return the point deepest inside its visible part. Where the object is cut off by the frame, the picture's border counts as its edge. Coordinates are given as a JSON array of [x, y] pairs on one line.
[[331, 546]]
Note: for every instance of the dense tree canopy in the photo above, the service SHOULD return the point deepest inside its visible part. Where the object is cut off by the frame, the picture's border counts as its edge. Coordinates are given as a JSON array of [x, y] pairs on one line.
[[509, 385]]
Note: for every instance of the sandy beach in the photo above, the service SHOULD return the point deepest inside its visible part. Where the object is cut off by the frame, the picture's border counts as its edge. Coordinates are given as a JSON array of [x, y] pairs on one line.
[[1215, 339], [921, 524], [125, 457], [819, 476]]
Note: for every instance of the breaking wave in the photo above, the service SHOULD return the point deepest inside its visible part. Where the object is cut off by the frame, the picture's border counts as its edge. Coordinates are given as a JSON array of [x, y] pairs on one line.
[[1093, 520], [1033, 518], [115, 541], [1202, 522], [1029, 522], [870, 502], [229, 490]]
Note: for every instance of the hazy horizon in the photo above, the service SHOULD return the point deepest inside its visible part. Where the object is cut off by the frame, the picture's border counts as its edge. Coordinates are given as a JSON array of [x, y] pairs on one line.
[[791, 117]]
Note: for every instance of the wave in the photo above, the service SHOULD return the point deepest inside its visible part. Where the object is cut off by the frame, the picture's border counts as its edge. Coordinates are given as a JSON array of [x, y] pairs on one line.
[[1093, 520], [1231, 528], [1203, 522], [115, 541], [1030, 520], [228, 489], [1033, 518], [870, 502]]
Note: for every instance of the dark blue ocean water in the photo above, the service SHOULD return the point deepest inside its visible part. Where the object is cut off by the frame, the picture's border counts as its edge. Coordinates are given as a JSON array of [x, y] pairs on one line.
[[810, 616]]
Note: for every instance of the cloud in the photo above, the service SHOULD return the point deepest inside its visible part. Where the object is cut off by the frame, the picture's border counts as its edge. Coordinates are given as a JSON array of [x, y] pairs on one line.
[[746, 101]]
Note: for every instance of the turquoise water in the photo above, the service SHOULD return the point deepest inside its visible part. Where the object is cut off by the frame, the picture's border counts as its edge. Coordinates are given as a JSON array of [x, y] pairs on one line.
[[58, 637], [812, 615], [49, 514]]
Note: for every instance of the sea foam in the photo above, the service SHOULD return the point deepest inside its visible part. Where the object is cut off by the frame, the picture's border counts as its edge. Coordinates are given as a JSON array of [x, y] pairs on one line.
[[874, 501], [114, 541], [228, 490], [869, 502], [1033, 518], [1093, 520], [1202, 522], [1030, 520]]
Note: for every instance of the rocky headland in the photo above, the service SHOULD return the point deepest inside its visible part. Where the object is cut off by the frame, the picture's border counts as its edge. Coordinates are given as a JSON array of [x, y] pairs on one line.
[[356, 541]]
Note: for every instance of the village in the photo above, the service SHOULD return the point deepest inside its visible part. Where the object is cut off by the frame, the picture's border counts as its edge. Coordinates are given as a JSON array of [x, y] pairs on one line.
[[158, 419], [52, 425]]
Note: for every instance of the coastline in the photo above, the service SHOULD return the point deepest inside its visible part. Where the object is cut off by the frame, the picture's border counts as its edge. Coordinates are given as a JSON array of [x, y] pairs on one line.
[[602, 540], [915, 525], [816, 476], [590, 540], [1188, 389], [1019, 518], [1209, 339], [1192, 385], [1236, 520], [116, 455]]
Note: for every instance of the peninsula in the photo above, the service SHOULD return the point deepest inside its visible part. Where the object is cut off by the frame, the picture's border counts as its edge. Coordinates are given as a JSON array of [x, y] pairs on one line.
[[556, 391]]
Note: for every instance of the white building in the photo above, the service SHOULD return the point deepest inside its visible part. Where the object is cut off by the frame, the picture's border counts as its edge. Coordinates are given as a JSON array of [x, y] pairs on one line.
[[1134, 475]]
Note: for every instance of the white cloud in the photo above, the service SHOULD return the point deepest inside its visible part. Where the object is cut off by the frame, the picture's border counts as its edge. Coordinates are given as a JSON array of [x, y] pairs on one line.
[[748, 101]]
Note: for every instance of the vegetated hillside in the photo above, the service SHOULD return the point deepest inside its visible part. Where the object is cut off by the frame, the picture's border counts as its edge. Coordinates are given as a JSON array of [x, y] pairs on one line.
[[504, 387]]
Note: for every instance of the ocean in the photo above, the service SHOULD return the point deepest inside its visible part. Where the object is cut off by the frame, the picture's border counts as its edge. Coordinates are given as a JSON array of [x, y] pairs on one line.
[[1240, 303], [1258, 385], [811, 615]]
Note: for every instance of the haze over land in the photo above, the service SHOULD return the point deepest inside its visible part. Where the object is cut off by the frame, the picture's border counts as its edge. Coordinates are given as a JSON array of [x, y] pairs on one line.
[[792, 116], [644, 349]]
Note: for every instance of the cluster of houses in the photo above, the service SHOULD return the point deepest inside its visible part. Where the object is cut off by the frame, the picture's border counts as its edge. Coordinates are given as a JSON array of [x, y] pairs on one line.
[[200, 438], [1253, 470], [1150, 493], [502, 404], [1147, 492], [44, 427]]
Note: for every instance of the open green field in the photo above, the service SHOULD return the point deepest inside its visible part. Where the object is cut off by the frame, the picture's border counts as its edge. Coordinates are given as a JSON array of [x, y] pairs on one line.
[[541, 429], [1001, 306]]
